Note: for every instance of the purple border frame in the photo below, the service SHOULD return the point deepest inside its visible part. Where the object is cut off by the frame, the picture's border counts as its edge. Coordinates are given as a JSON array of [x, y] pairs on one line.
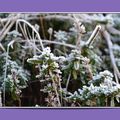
[[59, 6], [59, 114]]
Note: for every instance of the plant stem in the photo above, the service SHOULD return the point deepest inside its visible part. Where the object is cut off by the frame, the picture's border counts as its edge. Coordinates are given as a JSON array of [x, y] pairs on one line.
[[55, 88], [68, 80], [5, 74], [93, 36], [109, 42]]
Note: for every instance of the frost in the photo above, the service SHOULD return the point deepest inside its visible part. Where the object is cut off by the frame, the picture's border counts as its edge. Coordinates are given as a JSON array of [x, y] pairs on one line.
[[107, 87], [106, 73], [61, 36]]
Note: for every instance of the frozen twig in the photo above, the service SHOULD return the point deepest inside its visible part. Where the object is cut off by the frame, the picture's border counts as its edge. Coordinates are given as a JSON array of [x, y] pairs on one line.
[[109, 42], [42, 26], [8, 27], [32, 27], [93, 36], [68, 80], [1, 46], [112, 30], [5, 26], [54, 42], [80, 30]]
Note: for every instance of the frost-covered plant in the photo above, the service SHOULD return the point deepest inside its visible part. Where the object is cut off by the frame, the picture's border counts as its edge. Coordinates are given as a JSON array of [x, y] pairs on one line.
[[50, 74], [48, 61], [98, 93], [61, 36], [15, 81], [78, 66], [22, 74], [95, 60]]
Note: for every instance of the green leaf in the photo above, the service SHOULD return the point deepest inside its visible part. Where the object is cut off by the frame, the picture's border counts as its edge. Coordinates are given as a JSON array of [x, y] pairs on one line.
[[74, 74], [76, 65], [34, 61]]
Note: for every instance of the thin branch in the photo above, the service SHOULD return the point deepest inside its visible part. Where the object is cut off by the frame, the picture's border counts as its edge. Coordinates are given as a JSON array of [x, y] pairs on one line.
[[54, 42], [93, 36], [68, 80], [112, 30], [3, 49], [5, 27], [109, 42], [59, 43], [42, 27], [32, 27], [2, 36], [5, 75]]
